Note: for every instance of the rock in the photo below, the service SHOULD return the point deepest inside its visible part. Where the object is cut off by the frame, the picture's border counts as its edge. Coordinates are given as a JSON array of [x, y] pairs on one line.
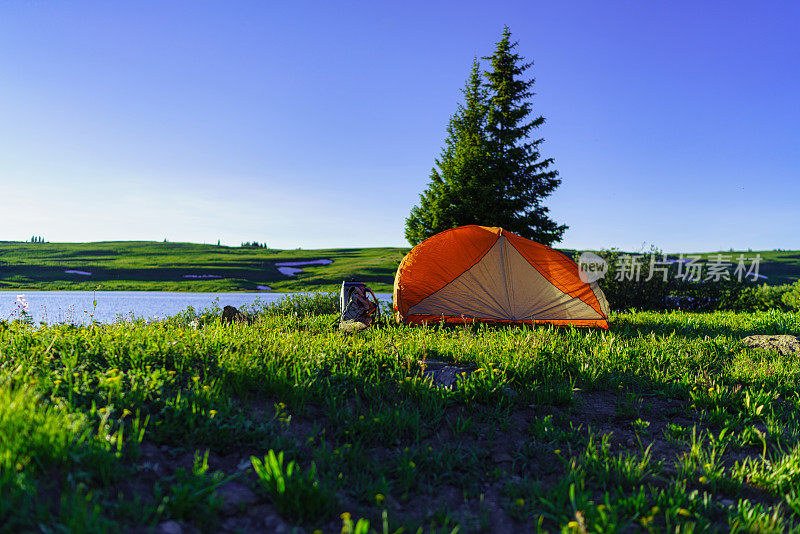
[[350, 326], [236, 497], [510, 393], [442, 374], [501, 457], [169, 527], [267, 516], [232, 315], [782, 344], [244, 465], [151, 458]]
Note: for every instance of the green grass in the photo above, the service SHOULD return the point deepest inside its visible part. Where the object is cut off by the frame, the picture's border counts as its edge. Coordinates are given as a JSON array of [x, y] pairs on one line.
[[665, 422], [154, 266]]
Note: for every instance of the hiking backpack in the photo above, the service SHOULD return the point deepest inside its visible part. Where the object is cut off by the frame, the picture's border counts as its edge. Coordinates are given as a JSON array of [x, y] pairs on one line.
[[355, 305]]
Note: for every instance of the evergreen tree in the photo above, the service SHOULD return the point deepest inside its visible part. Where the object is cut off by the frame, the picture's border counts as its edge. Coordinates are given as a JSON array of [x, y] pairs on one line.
[[490, 172], [521, 177], [457, 188]]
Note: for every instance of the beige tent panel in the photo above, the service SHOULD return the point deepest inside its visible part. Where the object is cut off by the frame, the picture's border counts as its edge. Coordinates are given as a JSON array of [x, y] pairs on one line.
[[601, 298], [504, 286]]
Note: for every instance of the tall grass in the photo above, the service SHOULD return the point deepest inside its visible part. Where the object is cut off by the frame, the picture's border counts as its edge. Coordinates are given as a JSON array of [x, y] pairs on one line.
[[665, 421]]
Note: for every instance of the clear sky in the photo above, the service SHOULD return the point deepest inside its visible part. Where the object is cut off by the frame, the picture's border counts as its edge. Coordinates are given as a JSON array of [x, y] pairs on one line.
[[315, 124]]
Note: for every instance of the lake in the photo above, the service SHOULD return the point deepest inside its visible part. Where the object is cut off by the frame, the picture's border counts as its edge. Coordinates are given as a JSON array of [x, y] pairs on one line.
[[77, 306]]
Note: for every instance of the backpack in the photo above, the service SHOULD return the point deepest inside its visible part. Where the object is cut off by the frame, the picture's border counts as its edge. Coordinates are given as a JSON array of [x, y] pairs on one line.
[[356, 307]]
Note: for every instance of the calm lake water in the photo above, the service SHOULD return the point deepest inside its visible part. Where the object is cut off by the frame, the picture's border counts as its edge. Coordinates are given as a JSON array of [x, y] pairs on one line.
[[77, 306]]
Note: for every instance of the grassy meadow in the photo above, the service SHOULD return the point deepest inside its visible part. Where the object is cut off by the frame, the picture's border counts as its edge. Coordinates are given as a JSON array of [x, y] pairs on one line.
[[666, 422], [155, 266]]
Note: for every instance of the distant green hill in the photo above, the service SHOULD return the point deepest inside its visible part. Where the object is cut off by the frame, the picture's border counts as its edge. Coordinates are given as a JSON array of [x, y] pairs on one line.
[[156, 266]]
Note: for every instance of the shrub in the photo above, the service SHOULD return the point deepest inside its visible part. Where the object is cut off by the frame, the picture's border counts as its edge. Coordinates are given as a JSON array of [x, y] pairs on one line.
[[623, 294], [764, 298], [791, 298], [673, 293]]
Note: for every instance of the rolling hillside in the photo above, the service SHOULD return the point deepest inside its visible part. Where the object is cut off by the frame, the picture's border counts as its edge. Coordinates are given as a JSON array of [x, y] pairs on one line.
[[156, 266]]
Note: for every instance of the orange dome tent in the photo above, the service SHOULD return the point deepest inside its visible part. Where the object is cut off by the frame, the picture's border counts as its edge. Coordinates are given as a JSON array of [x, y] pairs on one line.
[[488, 274]]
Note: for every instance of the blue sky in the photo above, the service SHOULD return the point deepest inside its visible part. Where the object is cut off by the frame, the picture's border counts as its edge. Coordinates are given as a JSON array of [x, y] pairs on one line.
[[315, 124]]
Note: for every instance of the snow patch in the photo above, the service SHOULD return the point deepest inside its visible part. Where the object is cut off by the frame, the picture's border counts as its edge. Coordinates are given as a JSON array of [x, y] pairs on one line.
[[264, 288], [299, 263], [289, 267], [202, 276], [71, 271]]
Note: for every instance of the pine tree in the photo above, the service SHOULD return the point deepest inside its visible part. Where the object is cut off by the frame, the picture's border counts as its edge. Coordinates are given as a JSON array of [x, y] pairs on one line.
[[457, 189], [522, 178], [489, 172]]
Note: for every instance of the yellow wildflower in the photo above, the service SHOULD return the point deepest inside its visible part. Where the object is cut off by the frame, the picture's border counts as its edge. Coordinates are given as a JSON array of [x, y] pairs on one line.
[[520, 502], [345, 515], [702, 480], [379, 498], [212, 413], [557, 451], [684, 512]]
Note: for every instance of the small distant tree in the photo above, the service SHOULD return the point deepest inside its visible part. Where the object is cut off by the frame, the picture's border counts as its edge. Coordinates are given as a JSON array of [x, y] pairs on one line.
[[491, 172]]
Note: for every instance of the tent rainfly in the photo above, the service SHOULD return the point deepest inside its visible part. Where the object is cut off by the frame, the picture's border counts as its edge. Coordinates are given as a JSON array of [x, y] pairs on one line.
[[479, 273]]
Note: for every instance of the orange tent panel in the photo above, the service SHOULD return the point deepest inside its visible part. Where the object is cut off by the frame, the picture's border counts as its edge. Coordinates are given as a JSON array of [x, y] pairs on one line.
[[488, 274]]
